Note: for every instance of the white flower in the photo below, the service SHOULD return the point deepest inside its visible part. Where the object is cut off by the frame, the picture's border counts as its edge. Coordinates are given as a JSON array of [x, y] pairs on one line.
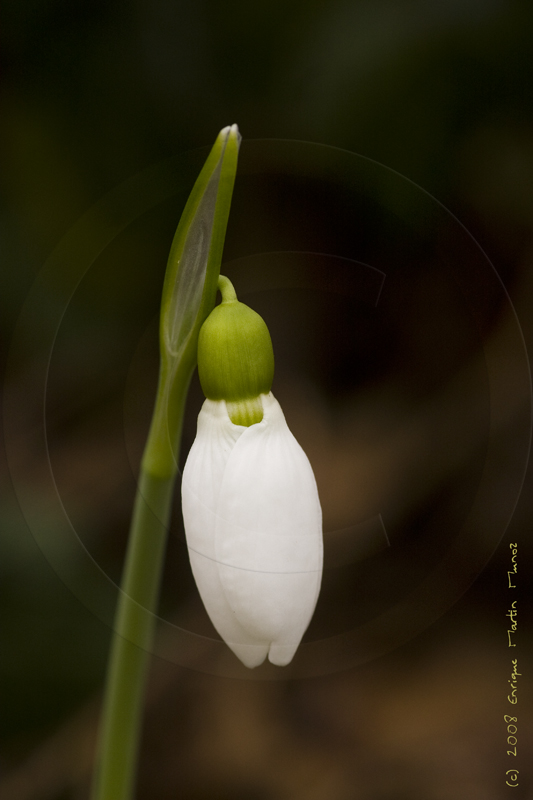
[[254, 531]]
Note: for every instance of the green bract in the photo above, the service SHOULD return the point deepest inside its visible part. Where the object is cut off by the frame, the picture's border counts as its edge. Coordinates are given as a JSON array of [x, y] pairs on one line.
[[189, 295], [235, 357]]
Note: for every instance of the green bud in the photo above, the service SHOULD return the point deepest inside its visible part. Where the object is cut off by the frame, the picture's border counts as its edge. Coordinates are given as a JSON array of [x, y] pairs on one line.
[[235, 357]]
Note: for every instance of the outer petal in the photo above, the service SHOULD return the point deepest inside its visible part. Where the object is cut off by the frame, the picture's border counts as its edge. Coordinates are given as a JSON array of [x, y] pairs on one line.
[[268, 540], [255, 536], [201, 482]]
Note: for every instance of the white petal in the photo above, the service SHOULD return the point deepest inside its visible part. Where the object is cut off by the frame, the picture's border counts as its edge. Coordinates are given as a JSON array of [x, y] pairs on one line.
[[254, 529], [202, 478]]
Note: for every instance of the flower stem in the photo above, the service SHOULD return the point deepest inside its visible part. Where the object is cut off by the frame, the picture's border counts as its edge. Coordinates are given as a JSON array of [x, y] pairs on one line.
[[188, 297], [136, 618], [130, 653], [226, 289]]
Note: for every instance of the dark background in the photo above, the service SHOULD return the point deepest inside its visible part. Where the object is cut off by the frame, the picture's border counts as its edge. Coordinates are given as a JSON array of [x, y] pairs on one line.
[[402, 406]]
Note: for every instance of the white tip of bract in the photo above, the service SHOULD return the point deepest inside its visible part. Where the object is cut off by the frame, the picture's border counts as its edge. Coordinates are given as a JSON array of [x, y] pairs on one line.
[[235, 132], [231, 130], [254, 531]]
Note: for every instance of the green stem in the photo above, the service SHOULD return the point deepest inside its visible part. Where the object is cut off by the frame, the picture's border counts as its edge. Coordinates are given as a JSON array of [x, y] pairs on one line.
[[226, 289], [132, 642], [188, 297], [136, 617]]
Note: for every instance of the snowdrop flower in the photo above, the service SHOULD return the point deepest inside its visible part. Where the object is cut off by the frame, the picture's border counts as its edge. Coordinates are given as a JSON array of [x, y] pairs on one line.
[[252, 516]]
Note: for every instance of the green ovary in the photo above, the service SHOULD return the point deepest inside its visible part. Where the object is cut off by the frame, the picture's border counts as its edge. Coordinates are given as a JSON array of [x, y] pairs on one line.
[[235, 357]]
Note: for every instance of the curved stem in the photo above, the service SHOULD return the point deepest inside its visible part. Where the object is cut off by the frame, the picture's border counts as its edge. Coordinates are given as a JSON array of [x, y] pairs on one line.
[[188, 297], [226, 289]]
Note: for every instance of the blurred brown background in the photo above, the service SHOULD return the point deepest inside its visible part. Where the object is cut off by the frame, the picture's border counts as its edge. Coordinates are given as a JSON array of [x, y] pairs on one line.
[[400, 365]]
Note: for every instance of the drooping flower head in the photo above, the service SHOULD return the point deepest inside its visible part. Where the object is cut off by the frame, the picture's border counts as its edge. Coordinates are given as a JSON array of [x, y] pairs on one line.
[[252, 516]]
